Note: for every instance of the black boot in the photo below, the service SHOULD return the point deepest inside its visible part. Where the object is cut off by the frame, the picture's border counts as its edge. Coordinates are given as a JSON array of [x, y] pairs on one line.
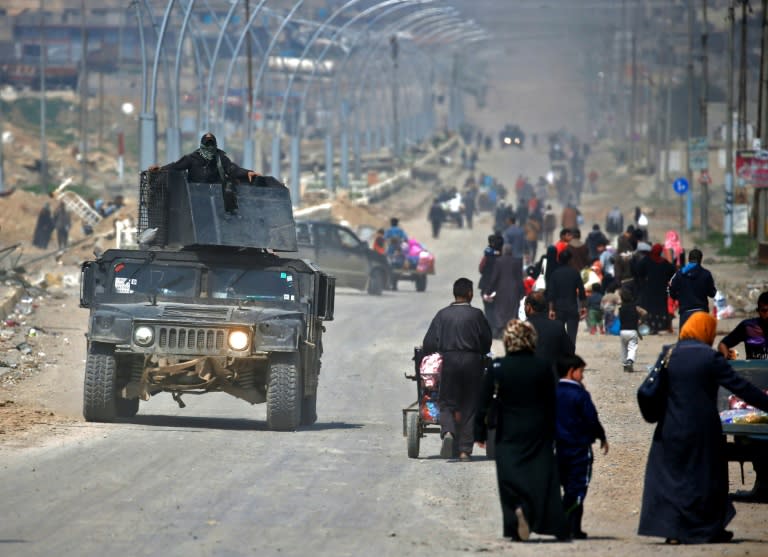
[[575, 519]]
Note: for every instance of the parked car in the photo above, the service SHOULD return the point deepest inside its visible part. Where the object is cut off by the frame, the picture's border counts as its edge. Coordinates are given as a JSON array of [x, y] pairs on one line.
[[339, 252]]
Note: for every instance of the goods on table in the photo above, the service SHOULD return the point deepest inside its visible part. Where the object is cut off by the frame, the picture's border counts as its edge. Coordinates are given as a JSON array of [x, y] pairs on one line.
[[743, 416]]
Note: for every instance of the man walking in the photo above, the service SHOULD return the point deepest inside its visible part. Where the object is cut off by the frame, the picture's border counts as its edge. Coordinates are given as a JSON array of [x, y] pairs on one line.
[[691, 286], [462, 335], [553, 342], [566, 296], [514, 237]]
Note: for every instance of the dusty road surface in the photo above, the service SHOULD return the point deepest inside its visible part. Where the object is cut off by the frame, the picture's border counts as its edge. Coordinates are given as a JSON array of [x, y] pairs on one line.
[[210, 480]]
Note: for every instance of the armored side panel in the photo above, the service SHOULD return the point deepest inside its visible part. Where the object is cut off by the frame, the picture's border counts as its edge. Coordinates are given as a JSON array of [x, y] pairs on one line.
[[193, 214]]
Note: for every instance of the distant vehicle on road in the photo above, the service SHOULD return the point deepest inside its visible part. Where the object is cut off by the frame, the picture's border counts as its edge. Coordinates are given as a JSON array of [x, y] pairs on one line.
[[512, 135]]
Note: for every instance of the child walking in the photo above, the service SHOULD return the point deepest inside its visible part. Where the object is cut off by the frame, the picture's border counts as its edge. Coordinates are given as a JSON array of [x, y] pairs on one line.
[[629, 318], [578, 426], [595, 310]]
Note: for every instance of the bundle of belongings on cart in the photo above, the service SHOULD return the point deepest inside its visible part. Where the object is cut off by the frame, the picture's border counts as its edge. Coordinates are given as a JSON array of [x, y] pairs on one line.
[[412, 255], [429, 373], [739, 412]]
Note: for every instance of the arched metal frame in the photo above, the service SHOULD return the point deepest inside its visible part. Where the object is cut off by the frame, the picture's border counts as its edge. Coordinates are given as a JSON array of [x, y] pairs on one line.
[[402, 27], [420, 15], [414, 21], [341, 71], [202, 55]]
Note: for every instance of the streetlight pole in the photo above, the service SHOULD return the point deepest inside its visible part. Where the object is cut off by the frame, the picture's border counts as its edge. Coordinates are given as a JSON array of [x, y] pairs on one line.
[[43, 64], [83, 96], [704, 126], [689, 170], [394, 48]]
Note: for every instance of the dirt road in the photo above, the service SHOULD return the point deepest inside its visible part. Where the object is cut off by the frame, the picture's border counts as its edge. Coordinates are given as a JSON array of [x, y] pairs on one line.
[[211, 480]]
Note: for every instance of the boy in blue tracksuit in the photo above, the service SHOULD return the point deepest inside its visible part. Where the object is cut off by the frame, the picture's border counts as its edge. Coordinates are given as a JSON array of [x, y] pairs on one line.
[[577, 428]]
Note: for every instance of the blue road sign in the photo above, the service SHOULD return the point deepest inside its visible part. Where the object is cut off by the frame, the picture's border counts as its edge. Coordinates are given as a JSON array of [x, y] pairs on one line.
[[680, 186]]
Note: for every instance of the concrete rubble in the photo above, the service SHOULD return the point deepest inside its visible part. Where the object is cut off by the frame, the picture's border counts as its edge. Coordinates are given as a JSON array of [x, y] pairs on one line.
[[22, 341]]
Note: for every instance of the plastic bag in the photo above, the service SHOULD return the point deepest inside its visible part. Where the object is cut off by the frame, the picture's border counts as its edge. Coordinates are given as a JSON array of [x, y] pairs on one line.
[[430, 369], [615, 328]]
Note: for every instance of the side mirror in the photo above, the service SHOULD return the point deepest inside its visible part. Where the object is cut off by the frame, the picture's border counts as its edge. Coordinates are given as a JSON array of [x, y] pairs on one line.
[[86, 284], [326, 297]]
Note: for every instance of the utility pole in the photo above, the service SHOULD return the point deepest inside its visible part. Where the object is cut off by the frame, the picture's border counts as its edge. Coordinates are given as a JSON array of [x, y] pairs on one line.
[[249, 60], [741, 142], [622, 100], [760, 194], [83, 96], [395, 116], [704, 127], [728, 232], [633, 102], [691, 100], [762, 112], [43, 69]]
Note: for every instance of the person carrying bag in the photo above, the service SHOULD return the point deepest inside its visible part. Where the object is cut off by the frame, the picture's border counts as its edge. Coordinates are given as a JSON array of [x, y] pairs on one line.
[[652, 392]]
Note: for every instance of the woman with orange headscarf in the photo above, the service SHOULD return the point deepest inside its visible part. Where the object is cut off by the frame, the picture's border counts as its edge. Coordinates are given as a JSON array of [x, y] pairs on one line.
[[685, 496]]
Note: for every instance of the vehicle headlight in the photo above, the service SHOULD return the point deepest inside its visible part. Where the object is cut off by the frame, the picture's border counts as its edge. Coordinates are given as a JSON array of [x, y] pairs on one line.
[[238, 340], [517, 140], [143, 335], [507, 140]]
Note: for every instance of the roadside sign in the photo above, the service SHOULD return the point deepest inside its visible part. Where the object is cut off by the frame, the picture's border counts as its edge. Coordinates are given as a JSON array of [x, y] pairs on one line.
[[680, 186], [698, 153], [752, 168]]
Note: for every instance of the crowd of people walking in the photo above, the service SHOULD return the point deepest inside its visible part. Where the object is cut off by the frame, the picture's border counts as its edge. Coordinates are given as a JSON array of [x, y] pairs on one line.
[[532, 398]]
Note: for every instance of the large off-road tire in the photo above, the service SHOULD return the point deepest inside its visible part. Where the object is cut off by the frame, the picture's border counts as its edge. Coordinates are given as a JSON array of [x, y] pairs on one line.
[[413, 431], [99, 390], [127, 407], [309, 410], [376, 282], [284, 389], [421, 283]]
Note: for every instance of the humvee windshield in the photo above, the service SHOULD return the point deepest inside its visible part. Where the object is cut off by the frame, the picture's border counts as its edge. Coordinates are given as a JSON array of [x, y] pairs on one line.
[[179, 281], [247, 284], [131, 277]]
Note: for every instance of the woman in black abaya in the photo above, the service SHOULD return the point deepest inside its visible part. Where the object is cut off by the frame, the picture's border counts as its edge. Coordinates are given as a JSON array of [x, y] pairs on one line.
[[685, 495], [526, 467]]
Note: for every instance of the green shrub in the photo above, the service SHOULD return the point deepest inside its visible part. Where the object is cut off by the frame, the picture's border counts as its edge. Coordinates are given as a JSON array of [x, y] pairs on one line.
[[742, 245]]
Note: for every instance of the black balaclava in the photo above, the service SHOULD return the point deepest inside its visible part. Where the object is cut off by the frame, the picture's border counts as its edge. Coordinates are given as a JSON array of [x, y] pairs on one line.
[[208, 147]]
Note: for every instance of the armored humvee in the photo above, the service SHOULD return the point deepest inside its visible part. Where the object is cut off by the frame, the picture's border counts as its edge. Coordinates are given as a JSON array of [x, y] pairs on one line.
[[206, 304]]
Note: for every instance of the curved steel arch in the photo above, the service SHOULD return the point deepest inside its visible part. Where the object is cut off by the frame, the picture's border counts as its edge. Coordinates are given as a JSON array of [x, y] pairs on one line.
[[236, 51], [393, 6], [272, 44], [425, 91], [413, 21], [316, 35], [401, 27], [212, 71]]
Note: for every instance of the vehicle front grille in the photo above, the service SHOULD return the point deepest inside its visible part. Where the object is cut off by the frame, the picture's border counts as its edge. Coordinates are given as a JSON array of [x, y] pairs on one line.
[[191, 340], [196, 312]]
